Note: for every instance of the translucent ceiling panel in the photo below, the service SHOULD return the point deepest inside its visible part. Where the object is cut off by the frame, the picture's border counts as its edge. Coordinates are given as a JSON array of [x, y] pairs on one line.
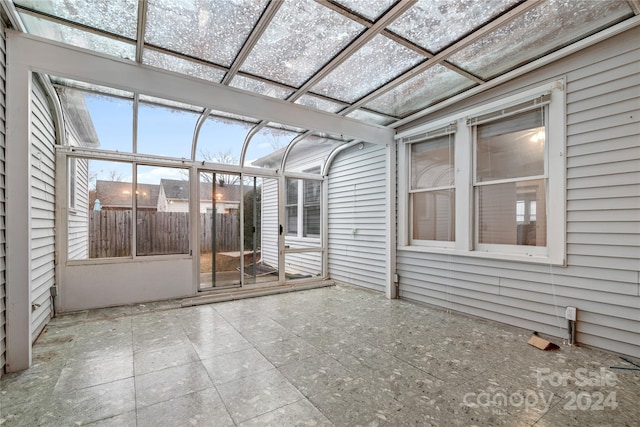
[[115, 16], [377, 62], [165, 131], [319, 103], [221, 139], [213, 30], [183, 66], [90, 87], [435, 24], [368, 8], [172, 104], [73, 36], [550, 26], [309, 154], [303, 36], [258, 86], [434, 84], [267, 147], [369, 117]]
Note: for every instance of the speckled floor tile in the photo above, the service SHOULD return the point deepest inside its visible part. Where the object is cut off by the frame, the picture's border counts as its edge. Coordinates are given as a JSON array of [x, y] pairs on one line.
[[233, 366], [164, 357], [128, 419], [91, 404], [170, 383], [282, 352], [359, 358], [221, 344], [89, 372], [154, 340], [257, 394], [359, 406], [201, 408], [298, 414], [318, 374]]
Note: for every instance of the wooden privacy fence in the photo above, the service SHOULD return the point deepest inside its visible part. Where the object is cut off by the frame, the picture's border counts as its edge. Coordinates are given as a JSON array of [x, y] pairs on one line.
[[158, 233]]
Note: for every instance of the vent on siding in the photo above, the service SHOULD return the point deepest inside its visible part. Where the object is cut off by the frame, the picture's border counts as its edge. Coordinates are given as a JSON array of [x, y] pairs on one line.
[[509, 111], [447, 130]]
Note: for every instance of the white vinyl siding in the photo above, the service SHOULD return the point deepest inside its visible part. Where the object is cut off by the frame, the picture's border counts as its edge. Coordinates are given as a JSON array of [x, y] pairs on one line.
[[357, 202], [270, 225], [78, 230], [602, 276], [3, 267], [42, 210]]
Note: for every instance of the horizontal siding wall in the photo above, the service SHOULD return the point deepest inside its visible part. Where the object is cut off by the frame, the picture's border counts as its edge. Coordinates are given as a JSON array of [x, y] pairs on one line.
[[3, 280], [602, 277], [78, 225], [42, 210], [357, 201], [269, 219]]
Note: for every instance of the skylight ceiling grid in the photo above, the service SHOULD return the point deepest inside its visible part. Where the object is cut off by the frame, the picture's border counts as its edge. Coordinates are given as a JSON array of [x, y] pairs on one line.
[[214, 31], [392, 57], [302, 37], [377, 62], [543, 29]]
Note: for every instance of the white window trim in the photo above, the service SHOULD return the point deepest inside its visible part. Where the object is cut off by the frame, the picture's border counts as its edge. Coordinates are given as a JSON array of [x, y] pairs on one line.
[[73, 184], [555, 251], [299, 236], [450, 130]]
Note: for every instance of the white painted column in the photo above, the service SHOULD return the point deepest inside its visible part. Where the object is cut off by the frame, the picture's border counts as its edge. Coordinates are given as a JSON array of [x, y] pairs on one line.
[[391, 290], [18, 205]]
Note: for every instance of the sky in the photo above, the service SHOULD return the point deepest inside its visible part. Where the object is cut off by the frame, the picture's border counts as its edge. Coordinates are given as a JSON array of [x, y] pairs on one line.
[[168, 132]]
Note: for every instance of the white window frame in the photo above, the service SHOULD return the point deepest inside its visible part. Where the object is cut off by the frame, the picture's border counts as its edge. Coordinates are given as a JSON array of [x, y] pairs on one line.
[[513, 249], [450, 131], [555, 250]]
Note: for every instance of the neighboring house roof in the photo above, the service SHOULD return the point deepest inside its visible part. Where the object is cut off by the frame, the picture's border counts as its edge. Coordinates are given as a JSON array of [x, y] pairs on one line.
[[179, 190], [113, 194]]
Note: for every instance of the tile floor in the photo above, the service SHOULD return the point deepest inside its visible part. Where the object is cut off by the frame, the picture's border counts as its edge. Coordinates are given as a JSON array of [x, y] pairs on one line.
[[337, 356]]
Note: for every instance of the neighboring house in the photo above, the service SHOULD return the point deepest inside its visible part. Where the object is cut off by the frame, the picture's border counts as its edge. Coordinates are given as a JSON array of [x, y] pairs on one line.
[[80, 132], [114, 195], [174, 197]]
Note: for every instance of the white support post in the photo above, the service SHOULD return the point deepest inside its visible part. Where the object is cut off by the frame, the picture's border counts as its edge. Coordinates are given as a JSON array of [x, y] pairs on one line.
[[390, 223], [18, 214]]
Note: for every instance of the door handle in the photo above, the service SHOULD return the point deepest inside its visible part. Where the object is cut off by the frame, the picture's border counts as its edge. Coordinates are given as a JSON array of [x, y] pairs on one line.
[[281, 229]]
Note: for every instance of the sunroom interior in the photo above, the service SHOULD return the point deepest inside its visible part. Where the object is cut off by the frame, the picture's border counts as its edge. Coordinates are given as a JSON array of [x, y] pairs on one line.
[[161, 149]]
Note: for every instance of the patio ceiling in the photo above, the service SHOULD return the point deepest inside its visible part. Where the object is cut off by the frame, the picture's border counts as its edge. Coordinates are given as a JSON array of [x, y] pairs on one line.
[[378, 61]]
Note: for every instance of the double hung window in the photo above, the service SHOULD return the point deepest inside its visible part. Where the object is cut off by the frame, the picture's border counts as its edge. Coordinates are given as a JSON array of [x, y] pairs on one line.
[[488, 181], [432, 192]]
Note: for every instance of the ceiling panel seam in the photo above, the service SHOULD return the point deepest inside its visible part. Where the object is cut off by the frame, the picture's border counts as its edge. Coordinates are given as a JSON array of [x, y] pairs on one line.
[[262, 24], [444, 54], [140, 33], [356, 44], [74, 24]]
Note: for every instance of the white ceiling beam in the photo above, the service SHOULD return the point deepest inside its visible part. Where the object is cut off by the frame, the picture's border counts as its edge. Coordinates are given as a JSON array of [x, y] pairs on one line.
[[68, 61], [140, 30]]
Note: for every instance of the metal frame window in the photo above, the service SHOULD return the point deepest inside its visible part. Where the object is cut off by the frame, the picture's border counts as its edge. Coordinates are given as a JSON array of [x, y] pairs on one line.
[[303, 206], [291, 207]]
